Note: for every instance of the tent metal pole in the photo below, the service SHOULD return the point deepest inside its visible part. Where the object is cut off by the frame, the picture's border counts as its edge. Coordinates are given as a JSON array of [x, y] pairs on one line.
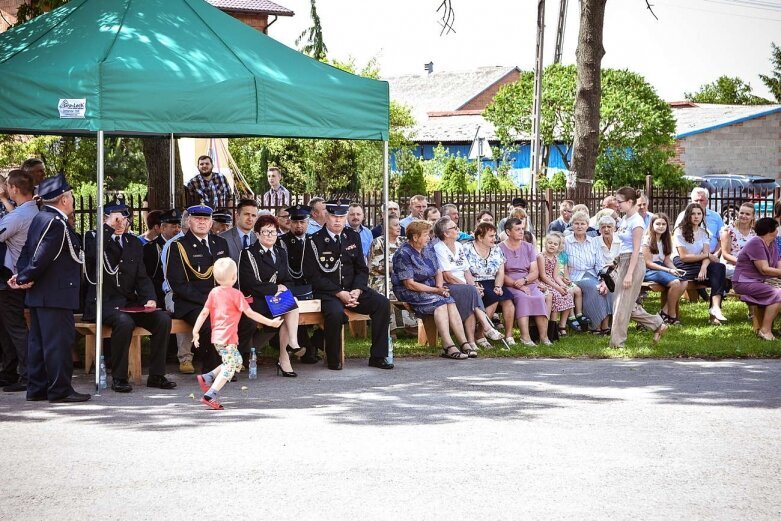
[[172, 170], [385, 190], [99, 265]]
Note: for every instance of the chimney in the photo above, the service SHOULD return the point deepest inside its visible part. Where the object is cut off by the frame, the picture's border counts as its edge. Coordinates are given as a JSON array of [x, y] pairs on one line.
[[429, 67]]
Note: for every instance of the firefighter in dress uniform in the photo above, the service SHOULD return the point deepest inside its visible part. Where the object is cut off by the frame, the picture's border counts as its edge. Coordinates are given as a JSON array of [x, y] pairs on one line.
[[336, 268], [189, 267]]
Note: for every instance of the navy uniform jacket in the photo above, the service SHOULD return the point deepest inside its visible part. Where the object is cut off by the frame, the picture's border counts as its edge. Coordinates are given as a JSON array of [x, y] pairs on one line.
[[130, 286], [190, 290], [270, 273], [154, 266], [320, 250], [295, 254], [46, 260]]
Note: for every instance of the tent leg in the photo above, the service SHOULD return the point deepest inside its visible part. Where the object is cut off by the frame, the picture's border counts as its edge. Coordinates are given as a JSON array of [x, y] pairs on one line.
[[99, 265], [385, 190], [172, 170]]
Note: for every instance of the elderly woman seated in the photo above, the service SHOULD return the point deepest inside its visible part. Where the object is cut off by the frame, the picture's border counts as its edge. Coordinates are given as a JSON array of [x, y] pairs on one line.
[[458, 277], [417, 280], [609, 246], [758, 261]]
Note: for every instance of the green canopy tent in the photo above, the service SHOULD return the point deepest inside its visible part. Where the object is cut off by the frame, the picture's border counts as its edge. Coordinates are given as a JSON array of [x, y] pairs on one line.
[[174, 68]]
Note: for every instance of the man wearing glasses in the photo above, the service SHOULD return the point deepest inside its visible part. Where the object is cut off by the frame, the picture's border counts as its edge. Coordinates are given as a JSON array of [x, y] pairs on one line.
[[565, 215]]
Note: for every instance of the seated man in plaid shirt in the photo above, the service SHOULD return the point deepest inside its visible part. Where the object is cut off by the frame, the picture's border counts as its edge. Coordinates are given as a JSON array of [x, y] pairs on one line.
[[209, 188]]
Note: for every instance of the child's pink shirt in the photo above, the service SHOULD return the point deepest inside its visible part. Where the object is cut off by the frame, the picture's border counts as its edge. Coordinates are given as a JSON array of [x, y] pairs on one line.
[[225, 305]]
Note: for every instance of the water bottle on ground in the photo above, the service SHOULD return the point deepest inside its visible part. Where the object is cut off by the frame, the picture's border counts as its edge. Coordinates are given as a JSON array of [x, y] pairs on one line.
[[102, 369], [389, 358], [253, 365]]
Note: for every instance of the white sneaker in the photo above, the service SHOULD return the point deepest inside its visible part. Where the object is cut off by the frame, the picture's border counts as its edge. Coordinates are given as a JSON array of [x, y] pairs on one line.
[[547, 342], [509, 340], [528, 343], [493, 334]]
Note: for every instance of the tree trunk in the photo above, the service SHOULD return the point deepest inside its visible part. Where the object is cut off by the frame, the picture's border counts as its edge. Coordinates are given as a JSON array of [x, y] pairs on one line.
[[589, 55], [156, 152]]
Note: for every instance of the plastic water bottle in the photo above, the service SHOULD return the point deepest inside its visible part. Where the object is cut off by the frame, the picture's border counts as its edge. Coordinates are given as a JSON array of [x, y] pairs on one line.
[[102, 370], [389, 358], [253, 365]]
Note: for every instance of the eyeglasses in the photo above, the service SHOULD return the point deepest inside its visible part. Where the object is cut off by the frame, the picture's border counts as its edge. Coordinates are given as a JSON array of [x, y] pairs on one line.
[[268, 233], [619, 201], [452, 228]]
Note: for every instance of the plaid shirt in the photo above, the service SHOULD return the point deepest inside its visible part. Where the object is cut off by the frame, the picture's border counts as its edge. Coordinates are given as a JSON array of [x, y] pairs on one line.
[[215, 192], [278, 197]]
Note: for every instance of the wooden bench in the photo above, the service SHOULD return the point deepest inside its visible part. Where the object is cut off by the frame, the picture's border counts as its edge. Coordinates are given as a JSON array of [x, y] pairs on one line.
[[309, 315], [427, 327]]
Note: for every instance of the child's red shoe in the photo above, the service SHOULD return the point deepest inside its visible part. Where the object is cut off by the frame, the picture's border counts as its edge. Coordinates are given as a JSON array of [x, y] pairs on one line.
[[202, 382], [214, 403]]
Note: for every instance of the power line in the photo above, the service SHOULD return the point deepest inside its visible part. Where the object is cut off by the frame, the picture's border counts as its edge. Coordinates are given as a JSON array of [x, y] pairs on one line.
[[713, 11], [750, 4]]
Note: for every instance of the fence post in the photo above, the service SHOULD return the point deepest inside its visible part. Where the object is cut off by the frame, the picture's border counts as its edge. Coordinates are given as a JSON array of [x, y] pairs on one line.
[[548, 207], [438, 198], [649, 189]]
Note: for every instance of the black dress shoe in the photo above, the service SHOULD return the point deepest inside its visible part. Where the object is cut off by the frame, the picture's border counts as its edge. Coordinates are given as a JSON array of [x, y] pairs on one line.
[[121, 385], [310, 359], [73, 398], [160, 382], [36, 398], [15, 388], [379, 363], [337, 367]]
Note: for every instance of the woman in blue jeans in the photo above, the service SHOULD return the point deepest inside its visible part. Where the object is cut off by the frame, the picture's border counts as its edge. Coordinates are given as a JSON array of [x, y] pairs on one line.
[[657, 250]]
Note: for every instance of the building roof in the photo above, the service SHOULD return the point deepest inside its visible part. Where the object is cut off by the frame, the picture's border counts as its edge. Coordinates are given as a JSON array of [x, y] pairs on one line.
[[444, 91], [694, 118], [252, 6]]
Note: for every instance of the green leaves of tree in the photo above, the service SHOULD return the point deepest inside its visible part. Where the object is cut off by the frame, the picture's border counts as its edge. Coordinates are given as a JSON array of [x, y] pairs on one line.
[[728, 91]]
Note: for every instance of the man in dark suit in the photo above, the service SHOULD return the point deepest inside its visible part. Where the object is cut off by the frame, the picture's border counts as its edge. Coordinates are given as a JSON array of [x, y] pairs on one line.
[[170, 226], [189, 271], [242, 236], [50, 269], [126, 285], [293, 241], [335, 266]]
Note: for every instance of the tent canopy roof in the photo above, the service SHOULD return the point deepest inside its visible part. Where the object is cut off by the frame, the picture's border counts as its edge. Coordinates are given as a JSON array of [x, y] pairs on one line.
[[174, 66]]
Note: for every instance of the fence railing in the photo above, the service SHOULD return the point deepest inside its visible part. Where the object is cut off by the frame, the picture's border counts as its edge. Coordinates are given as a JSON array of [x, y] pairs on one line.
[[542, 206]]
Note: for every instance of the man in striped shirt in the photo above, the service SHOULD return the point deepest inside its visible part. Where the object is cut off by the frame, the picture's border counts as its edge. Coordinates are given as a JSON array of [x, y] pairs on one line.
[[277, 195]]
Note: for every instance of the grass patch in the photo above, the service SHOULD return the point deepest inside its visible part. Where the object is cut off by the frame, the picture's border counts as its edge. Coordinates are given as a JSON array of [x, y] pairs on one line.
[[696, 338]]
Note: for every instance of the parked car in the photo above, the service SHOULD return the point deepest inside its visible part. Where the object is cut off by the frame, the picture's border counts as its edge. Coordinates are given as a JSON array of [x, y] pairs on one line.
[[729, 191]]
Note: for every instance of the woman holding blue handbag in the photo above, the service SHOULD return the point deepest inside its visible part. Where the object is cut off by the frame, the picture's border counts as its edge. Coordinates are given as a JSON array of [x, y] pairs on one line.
[[264, 276]]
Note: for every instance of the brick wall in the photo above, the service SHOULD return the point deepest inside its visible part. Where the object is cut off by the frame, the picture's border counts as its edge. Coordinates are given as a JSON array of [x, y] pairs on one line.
[[752, 147], [256, 21], [481, 101]]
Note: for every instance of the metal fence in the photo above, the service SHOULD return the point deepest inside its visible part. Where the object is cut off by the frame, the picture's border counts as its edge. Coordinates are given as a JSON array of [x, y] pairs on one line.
[[542, 206]]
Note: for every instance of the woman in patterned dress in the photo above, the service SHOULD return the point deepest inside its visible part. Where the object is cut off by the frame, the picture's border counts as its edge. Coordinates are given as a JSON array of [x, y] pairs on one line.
[[735, 236]]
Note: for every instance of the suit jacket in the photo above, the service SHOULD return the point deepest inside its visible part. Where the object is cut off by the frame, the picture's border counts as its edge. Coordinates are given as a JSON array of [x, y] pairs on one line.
[[265, 283], [154, 266], [234, 242], [295, 256], [320, 255], [46, 260], [131, 286], [190, 290]]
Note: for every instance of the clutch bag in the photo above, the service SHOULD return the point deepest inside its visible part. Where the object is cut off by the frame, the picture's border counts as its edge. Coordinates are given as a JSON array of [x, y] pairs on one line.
[[282, 303]]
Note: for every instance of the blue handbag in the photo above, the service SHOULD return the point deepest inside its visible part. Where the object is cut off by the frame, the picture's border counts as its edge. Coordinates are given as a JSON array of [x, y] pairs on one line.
[[280, 304]]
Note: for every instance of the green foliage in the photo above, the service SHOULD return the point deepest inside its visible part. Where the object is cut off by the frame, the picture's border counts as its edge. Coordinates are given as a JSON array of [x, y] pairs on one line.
[[312, 37], [557, 182], [411, 178], [457, 174], [728, 91], [633, 118], [77, 158], [323, 165], [489, 182], [773, 81]]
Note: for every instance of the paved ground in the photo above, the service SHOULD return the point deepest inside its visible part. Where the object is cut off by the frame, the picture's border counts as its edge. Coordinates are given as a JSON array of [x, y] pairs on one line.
[[433, 439]]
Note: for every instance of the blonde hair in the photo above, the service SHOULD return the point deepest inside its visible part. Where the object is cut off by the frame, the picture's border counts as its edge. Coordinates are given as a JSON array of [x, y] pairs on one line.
[[559, 236], [225, 271]]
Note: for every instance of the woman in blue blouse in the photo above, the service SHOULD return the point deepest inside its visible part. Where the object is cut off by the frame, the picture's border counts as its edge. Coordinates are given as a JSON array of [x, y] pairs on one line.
[[417, 280]]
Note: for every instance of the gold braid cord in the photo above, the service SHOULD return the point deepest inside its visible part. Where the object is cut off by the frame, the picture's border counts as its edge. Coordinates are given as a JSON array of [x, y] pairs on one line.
[[186, 264]]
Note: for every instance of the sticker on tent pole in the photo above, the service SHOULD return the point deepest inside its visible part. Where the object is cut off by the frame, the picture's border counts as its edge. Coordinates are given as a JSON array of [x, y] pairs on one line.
[[72, 108]]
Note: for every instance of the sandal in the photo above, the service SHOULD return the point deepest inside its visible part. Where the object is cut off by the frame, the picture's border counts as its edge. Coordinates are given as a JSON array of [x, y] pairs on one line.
[[574, 324], [455, 355], [485, 344], [562, 331], [468, 351], [605, 332], [493, 334]]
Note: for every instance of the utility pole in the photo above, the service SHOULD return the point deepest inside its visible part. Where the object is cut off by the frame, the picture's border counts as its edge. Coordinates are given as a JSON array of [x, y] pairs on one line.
[[560, 31], [536, 144]]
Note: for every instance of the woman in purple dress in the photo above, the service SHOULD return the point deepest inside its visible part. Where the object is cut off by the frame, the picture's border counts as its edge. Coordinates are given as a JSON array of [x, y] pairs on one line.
[[520, 274], [758, 261]]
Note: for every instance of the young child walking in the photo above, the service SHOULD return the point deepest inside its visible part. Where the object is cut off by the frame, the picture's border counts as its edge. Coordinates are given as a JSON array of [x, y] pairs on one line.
[[225, 305]]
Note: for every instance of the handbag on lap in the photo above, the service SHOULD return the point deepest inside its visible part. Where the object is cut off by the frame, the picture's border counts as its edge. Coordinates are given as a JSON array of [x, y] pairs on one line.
[[281, 303]]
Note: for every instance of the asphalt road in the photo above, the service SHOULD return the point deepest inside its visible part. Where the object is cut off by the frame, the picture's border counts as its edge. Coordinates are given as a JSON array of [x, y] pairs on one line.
[[434, 439]]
